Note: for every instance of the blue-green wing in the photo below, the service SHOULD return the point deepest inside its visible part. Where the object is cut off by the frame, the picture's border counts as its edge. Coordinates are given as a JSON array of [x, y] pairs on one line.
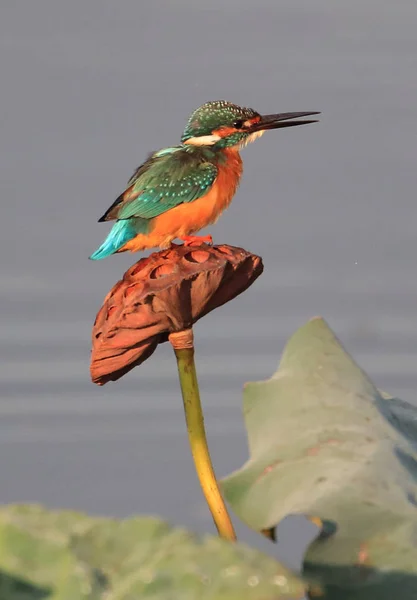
[[168, 178]]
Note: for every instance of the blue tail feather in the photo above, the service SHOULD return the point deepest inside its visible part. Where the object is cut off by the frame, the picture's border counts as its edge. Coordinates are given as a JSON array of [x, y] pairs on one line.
[[121, 232]]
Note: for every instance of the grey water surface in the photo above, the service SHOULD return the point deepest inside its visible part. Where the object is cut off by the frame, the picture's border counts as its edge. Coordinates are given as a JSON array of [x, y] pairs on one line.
[[87, 90]]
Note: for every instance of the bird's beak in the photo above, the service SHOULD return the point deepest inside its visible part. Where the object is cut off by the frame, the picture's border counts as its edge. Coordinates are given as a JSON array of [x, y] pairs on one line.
[[281, 120]]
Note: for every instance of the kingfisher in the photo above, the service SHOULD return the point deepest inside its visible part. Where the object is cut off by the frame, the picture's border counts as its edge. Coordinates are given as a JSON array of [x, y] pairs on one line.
[[181, 189]]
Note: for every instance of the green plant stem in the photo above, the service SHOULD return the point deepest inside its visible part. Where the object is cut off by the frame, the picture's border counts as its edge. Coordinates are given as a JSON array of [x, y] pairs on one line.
[[198, 442]]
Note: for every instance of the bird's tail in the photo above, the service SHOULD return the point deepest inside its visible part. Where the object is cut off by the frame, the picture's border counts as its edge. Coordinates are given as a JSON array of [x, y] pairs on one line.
[[122, 232]]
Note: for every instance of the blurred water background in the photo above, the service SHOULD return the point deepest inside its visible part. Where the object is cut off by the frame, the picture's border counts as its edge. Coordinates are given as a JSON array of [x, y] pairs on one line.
[[87, 90]]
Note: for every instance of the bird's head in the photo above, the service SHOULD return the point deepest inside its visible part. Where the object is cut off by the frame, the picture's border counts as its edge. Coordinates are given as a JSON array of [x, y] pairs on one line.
[[223, 125]]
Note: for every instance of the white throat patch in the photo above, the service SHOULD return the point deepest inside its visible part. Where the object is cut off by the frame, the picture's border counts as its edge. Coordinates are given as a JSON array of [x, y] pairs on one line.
[[251, 138]]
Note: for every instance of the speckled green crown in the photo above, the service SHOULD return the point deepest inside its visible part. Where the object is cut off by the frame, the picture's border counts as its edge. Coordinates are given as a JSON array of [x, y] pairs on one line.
[[213, 115]]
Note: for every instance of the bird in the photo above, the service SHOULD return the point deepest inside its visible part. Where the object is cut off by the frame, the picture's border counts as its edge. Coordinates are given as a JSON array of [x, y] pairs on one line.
[[181, 189]]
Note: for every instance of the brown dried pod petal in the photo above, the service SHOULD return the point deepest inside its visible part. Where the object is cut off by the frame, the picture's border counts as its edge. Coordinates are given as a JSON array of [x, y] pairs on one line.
[[164, 293]]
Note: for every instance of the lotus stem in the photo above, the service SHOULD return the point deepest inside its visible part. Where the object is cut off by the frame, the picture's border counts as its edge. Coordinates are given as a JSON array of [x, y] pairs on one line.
[[183, 344]]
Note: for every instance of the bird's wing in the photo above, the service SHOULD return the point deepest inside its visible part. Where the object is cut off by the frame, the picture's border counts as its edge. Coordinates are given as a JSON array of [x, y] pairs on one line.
[[168, 178]]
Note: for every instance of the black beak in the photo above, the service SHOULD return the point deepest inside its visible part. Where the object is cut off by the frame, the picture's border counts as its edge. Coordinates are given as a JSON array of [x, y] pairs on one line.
[[281, 120]]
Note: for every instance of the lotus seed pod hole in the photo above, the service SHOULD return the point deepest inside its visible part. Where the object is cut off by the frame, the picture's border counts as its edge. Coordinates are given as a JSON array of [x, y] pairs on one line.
[[198, 256]]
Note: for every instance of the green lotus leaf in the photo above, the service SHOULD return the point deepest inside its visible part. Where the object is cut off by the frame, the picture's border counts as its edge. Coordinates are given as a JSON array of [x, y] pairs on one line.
[[324, 442], [47, 555]]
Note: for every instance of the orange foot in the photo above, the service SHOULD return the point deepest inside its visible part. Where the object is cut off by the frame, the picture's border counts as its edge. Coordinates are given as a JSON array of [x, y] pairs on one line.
[[196, 240]]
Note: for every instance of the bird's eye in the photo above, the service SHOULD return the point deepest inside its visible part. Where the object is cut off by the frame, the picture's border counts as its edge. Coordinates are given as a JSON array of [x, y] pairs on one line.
[[238, 124]]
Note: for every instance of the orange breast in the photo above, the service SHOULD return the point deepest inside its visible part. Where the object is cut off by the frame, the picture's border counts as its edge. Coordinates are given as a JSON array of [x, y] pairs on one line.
[[186, 219]]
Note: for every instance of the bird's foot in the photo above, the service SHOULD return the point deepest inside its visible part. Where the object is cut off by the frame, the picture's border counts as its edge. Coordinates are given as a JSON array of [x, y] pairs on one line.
[[196, 240]]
